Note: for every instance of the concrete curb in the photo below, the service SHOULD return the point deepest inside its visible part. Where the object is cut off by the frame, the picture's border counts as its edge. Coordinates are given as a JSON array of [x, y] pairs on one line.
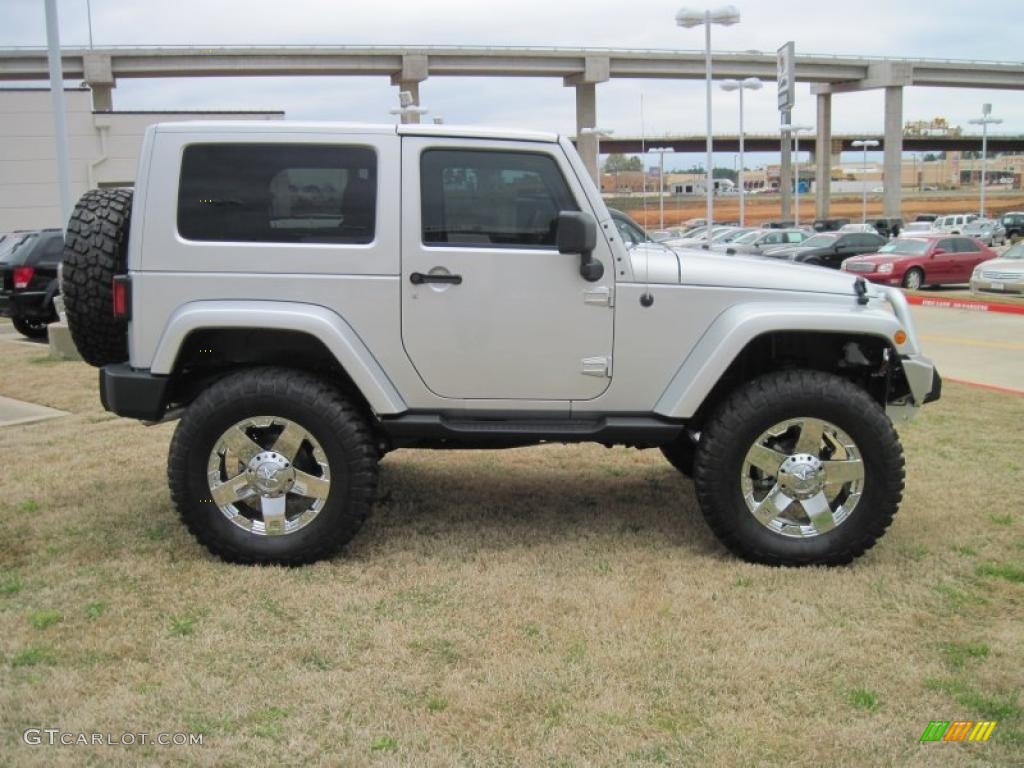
[[974, 306]]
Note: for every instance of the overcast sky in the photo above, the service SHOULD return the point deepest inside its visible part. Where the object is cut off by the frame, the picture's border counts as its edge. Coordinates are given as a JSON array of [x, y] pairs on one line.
[[984, 29]]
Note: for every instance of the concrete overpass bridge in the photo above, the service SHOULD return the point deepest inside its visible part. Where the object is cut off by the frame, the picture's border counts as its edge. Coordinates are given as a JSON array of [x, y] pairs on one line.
[[580, 68], [840, 143]]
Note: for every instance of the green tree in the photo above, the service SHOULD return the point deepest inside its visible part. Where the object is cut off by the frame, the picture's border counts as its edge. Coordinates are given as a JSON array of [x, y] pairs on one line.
[[617, 162]]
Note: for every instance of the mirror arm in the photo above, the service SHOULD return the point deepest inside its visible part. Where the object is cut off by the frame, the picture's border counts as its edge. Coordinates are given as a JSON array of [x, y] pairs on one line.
[[591, 269]]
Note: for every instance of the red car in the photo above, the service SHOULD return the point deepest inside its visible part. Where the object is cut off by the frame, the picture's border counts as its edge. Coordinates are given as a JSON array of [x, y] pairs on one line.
[[914, 262]]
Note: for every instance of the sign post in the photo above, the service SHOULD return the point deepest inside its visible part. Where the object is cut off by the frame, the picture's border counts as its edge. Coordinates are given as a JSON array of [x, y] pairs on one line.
[[786, 79]]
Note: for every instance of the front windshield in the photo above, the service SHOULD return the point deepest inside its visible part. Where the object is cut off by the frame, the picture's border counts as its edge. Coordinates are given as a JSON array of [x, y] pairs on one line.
[[819, 241], [731, 236], [631, 233], [723, 236], [1015, 252], [748, 238], [909, 247]]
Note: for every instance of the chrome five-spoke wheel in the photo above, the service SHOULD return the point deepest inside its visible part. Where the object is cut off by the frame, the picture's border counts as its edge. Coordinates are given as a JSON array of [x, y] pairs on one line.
[[802, 477], [268, 475]]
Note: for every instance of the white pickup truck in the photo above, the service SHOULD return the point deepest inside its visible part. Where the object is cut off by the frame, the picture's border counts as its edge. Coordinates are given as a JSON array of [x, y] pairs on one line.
[[309, 297]]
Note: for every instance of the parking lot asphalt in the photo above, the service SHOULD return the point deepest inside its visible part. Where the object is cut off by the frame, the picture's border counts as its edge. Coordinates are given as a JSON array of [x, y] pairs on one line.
[[984, 348]]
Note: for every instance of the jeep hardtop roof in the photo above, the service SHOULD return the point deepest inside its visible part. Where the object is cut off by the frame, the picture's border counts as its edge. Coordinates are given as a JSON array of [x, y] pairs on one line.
[[411, 129]]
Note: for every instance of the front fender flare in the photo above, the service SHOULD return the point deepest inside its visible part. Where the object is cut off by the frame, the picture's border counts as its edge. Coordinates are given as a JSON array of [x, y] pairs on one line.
[[735, 328], [319, 322]]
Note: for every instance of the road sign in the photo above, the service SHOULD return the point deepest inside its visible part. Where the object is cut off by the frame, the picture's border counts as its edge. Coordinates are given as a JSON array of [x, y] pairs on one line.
[[786, 76]]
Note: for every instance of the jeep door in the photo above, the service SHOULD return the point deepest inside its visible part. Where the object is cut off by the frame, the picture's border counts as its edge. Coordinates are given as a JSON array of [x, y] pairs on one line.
[[490, 308]]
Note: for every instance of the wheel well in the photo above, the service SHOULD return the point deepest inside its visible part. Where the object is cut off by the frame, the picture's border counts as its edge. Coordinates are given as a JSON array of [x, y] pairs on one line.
[[870, 362], [209, 354]]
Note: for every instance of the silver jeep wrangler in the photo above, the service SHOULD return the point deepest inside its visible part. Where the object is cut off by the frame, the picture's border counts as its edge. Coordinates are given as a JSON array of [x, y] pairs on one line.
[[308, 297]]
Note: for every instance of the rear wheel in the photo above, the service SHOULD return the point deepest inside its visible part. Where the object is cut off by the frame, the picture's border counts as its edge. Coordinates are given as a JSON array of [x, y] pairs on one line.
[[799, 468], [272, 466], [34, 329], [914, 279]]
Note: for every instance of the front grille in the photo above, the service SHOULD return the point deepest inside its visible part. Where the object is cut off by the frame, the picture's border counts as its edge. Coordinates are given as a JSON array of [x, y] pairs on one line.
[[860, 266], [991, 275]]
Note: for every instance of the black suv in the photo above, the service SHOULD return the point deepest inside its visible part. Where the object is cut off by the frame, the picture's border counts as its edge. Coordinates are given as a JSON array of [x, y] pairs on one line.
[[830, 249], [28, 278], [1013, 223]]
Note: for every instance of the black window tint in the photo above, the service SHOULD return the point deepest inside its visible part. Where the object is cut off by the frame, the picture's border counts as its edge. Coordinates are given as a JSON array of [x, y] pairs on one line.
[[948, 245], [50, 252], [278, 193], [964, 245], [496, 199]]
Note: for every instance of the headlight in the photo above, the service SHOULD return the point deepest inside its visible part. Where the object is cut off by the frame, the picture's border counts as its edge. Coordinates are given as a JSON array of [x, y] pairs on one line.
[[885, 268]]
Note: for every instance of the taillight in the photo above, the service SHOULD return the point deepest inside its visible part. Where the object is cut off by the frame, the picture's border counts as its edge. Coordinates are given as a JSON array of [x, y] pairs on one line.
[[121, 294], [23, 276]]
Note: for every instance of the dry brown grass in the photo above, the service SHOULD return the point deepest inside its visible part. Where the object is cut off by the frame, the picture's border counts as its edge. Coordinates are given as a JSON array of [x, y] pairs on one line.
[[556, 605]]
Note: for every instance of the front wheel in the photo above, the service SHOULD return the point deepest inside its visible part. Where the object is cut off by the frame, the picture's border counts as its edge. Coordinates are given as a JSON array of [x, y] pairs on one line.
[[799, 468], [272, 465], [914, 279]]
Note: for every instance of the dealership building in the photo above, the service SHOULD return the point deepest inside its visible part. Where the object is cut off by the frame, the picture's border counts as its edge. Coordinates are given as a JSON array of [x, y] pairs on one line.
[[103, 147]]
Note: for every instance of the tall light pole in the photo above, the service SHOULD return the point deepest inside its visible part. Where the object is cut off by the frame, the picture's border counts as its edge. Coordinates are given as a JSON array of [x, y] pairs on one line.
[[751, 84], [60, 117], [795, 130], [597, 133], [865, 143], [689, 17], [661, 182], [984, 121]]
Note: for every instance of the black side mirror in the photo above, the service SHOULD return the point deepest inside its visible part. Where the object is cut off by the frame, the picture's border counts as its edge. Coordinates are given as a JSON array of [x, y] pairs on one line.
[[577, 233]]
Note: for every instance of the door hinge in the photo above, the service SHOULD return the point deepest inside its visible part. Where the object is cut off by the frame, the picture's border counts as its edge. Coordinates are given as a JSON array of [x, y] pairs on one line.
[[601, 297], [597, 366]]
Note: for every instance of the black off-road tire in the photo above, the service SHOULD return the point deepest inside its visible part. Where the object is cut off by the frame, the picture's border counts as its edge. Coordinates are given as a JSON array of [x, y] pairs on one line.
[[324, 412], [680, 454], [758, 405], [95, 249], [34, 329]]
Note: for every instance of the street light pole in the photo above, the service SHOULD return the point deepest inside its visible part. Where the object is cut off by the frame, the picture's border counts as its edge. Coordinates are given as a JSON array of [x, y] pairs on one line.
[[688, 17], [984, 121], [753, 84], [795, 131], [865, 143], [661, 182]]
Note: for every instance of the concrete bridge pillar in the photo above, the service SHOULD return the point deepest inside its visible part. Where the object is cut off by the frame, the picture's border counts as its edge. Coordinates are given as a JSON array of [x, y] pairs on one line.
[[786, 175], [823, 156], [595, 70], [415, 70], [100, 78], [892, 166]]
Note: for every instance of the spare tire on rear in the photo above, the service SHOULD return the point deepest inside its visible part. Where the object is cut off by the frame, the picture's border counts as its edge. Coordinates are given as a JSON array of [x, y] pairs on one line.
[[95, 249]]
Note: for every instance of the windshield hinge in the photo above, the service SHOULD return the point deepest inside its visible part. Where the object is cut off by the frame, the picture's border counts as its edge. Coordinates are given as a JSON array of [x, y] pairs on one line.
[[597, 366], [601, 297]]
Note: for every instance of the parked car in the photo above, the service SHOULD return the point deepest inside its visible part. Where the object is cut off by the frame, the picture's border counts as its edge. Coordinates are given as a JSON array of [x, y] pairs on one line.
[[914, 262], [917, 228], [828, 249], [1004, 274], [953, 224], [860, 226], [988, 231], [761, 241], [695, 238], [779, 224], [929, 217], [492, 305], [829, 225], [1013, 223], [28, 279], [888, 227]]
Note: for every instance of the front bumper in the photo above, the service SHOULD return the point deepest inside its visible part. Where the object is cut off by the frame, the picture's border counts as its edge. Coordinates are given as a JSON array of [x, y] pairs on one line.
[[981, 285], [133, 393]]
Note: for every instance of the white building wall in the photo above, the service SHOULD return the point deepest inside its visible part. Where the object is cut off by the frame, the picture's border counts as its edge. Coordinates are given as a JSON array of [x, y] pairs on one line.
[[103, 147]]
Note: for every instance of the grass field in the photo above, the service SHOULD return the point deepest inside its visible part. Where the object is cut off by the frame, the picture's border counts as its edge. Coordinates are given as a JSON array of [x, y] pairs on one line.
[[547, 606]]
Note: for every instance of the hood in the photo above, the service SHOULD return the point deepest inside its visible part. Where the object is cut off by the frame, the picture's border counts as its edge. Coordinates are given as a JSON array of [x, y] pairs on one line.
[[690, 266], [883, 258], [1015, 266]]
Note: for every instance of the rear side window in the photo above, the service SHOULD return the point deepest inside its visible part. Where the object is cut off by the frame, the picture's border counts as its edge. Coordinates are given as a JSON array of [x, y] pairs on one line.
[[492, 199], [51, 252], [16, 248], [278, 193]]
